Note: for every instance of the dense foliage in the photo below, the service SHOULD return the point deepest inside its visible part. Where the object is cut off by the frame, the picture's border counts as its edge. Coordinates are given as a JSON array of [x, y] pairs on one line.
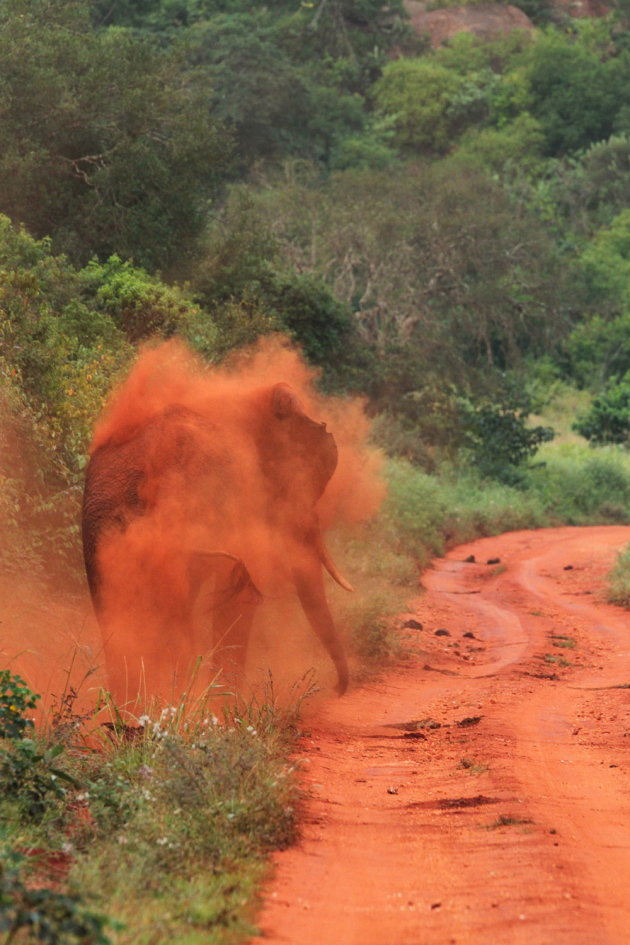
[[437, 228]]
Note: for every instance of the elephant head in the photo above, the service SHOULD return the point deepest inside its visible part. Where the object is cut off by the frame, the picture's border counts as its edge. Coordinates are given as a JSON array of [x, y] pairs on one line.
[[216, 480]]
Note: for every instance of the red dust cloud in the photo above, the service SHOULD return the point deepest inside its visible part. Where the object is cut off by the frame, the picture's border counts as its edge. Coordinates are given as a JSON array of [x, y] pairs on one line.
[[47, 633], [202, 496]]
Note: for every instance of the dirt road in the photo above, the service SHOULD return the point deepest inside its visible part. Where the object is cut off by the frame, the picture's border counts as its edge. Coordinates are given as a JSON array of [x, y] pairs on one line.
[[481, 792]]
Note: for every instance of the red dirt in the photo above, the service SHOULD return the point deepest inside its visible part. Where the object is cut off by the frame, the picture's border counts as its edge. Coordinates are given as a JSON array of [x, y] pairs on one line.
[[512, 828]]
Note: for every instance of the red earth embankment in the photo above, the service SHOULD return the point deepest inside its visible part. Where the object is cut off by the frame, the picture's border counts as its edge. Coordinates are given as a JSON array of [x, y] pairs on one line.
[[481, 791]]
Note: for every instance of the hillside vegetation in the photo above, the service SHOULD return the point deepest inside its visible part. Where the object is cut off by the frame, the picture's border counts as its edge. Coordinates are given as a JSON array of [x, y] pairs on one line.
[[443, 231]]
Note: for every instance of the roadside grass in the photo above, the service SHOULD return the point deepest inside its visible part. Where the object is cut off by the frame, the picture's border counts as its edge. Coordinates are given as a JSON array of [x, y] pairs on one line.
[[473, 767], [569, 484], [425, 514], [506, 820], [619, 579], [152, 832]]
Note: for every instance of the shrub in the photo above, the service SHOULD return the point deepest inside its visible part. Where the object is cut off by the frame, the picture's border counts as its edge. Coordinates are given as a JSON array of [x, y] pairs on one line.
[[29, 774], [619, 579], [15, 699], [418, 95], [138, 304], [45, 915], [608, 418], [497, 438], [578, 486]]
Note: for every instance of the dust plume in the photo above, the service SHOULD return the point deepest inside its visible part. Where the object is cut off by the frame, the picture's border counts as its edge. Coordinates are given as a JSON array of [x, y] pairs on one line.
[[207, 490], [48, 634]]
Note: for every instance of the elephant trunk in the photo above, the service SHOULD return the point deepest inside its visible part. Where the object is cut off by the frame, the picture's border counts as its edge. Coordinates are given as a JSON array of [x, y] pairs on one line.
[[309, 584]]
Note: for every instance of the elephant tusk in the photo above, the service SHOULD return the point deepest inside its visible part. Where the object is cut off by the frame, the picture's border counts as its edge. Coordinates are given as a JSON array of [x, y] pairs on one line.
[[331, 566]]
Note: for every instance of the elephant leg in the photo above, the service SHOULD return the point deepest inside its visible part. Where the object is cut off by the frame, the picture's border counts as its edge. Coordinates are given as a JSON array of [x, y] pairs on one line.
[[225, 605], [232, 623], [309, 584]]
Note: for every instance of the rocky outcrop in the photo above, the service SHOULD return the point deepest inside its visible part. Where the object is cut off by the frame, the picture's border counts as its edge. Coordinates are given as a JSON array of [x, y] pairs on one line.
[[583, 7], [485, 20]]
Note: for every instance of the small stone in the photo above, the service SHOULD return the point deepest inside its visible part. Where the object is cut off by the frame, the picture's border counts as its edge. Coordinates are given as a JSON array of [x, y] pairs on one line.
[[392, 790], [470, 635], [470, 720], [442, 633], [413, 625], [470, 559], [493, 561]]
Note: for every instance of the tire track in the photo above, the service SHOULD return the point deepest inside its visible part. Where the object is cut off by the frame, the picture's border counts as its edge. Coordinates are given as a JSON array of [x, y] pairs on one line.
[[491, 803]]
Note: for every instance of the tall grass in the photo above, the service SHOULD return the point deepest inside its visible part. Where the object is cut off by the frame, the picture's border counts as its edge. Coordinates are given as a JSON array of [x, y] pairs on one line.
[[161, 828], [570, 484], [619, 579]]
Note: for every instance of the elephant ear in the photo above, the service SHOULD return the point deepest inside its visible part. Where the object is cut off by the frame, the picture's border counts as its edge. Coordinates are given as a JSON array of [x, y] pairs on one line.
[[284, 402]]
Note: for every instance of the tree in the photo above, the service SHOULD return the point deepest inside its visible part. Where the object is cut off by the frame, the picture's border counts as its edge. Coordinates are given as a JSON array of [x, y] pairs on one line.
[[418, 95], [254, 87], [109, 144], [248, 287], [575, 93], [599, 346], [448, 284], [583, 193], [515, 147], [363, 30], [608, 418], [605, 265]]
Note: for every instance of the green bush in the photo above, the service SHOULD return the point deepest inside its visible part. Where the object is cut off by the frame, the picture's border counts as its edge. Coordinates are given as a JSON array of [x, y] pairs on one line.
[[44, 915], [575, 92], [418, 96], [496, 437], [425, 514], [579, 486], [180, 806], [29, 774], [428, 514], [608, 418], [138, 304], [15, 699]]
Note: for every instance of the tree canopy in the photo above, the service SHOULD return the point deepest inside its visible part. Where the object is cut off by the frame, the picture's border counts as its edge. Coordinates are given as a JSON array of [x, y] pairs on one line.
[[428, 224]]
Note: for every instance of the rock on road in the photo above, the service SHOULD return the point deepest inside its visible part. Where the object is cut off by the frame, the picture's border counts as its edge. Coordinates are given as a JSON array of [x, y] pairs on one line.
[[480, 792]]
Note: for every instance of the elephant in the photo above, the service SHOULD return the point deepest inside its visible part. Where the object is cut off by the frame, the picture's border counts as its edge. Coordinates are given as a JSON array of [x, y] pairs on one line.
[[191, 518]]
